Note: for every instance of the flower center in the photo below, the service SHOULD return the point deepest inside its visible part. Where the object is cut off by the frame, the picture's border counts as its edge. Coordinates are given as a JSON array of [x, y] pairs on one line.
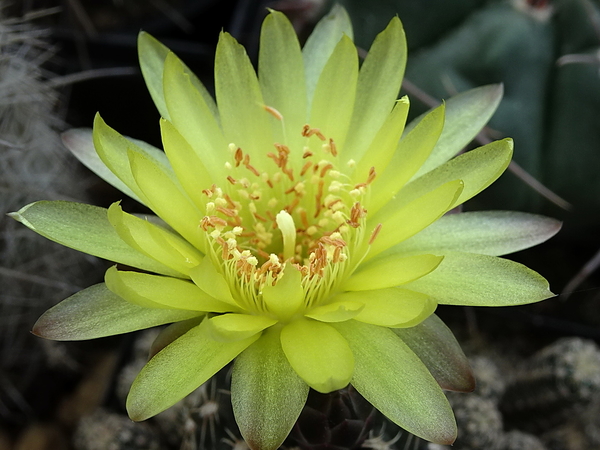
[[302, 211]]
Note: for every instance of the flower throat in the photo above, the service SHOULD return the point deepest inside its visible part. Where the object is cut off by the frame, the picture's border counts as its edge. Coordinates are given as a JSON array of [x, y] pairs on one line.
[[309, 214]]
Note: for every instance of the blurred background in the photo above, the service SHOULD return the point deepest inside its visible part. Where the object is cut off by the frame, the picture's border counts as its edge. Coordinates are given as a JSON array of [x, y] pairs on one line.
[[61, 61]]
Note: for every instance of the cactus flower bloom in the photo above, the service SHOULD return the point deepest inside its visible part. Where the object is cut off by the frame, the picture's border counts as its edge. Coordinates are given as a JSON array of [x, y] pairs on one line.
[[301, 230]]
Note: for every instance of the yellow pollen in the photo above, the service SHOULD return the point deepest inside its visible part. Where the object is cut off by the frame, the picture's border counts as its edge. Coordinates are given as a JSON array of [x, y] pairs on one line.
[[311, 230]]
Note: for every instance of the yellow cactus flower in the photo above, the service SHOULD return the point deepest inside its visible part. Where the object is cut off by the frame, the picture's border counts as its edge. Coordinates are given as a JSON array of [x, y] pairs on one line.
[[300, 230]]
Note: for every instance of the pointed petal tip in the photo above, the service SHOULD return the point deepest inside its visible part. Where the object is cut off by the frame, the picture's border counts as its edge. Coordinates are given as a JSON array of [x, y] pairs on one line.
[[448, 439], [36, 330], [466, 383], [146, 39], [499, 89], [134, 415], [444, 434], [47, 329]]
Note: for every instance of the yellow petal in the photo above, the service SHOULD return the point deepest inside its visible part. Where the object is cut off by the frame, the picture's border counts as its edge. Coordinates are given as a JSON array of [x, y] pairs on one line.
[[244, 120], [190, 171], [281, 77], [400, 224], [287, 296], [153, 241], [391, 307], [377, 88], [335, 93], [391, 271], [192, 116], [167, 200], [112, 148], [321, 43], [412, 151], [318, 353], [381, 151], [477, 168], [152, 56], [235, 327], [154, 291], [336, 311], [207, 278]]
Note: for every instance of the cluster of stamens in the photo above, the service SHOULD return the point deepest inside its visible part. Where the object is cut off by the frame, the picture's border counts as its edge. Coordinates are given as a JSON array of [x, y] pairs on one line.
[[260, 220]]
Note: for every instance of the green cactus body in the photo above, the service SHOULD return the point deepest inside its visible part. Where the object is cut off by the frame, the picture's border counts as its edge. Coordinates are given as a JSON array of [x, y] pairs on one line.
[[555, 381]]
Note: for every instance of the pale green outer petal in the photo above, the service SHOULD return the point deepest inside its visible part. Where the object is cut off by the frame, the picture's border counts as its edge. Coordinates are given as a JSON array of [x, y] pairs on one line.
[[479, 280], [281, 77], [152, 55], [336, 311], [244, 119], [433, 342], [170, 333], [96, 312], [192, 116], [113, 151], [394, 380], [383, 148], [478, 169], [266, 394], [391, 271], [190, 171], [85, 228], [412, 151], [287, 296], [155, 291], [320, 45], [80, 142], [206, 277], [318, 353], [391, 307], [178, 369], [167, 200], [378, 85], [492, 233], [466, 114], [334, 95], [402, 223], [235, 327], [154, 241]]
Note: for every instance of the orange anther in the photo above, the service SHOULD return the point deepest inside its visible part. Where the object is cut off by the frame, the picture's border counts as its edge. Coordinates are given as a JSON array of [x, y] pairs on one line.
[[318, 196], [375, 233], [238, 157], [259, 217], [305, 168], [273, 112], [289, 172], [330, 204], [325, 169], [307, 131], [253, 169], [333, 147], [289, 208], [228, 212], [304, 218]]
